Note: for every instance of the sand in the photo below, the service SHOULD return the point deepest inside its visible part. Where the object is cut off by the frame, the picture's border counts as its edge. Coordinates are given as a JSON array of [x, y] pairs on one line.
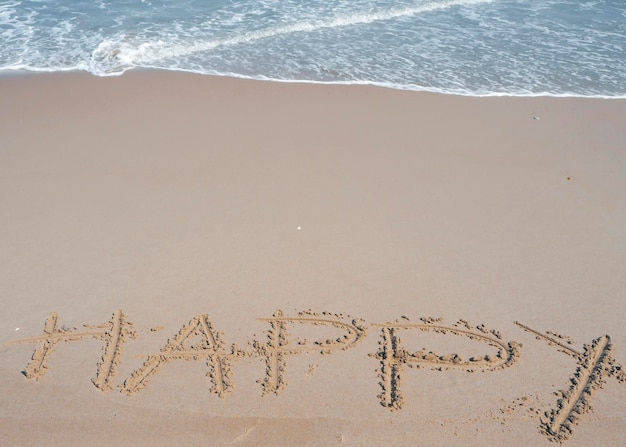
[[193, 260]]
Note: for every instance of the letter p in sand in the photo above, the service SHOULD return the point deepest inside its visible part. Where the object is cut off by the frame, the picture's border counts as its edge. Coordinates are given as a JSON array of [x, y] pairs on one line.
[[394, 357], [279, 346]]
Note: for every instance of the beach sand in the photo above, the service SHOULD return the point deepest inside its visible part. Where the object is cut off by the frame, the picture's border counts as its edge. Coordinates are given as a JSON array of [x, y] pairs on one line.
[[194, 260]]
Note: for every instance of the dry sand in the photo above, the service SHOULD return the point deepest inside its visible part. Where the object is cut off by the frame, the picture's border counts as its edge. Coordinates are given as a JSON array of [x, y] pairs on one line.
[[192, 260]]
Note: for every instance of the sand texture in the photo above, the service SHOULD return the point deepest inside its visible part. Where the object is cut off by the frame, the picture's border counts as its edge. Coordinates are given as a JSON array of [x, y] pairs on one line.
[[188, 260]]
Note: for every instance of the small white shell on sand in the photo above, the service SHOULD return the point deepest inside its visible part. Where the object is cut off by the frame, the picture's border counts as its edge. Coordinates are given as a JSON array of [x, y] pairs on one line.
[[536, 117], [299, 228]]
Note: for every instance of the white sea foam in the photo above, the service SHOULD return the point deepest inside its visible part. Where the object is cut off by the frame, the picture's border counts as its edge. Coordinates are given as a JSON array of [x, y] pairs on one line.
[[113, 57]]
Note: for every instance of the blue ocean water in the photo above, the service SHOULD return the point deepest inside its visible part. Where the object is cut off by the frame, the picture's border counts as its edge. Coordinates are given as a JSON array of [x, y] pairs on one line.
[[472, 47]]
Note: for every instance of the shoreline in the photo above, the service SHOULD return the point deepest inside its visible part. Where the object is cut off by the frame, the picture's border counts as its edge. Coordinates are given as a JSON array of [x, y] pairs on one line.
[[399, 87], [264, 263]]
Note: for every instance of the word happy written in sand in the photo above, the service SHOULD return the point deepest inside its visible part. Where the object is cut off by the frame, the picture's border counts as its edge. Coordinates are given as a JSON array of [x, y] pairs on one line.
[[199, 340]]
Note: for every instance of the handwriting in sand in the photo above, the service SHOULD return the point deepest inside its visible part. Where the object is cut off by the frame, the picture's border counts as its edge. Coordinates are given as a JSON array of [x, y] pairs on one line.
[[199, 340]]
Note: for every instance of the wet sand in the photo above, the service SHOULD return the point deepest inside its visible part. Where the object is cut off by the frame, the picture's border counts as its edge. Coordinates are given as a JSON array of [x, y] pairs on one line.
[[193, 259]]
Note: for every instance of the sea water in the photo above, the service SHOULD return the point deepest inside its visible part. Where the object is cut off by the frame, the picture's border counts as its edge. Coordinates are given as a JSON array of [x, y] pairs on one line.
[[471, 47]]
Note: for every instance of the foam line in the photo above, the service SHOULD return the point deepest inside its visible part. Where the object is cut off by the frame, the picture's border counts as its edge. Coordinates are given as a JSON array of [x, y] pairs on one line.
[[121, 55]]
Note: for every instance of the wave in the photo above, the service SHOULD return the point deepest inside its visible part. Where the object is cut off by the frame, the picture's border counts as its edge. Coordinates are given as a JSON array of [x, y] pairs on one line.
[[461, 47], [115, 56]]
